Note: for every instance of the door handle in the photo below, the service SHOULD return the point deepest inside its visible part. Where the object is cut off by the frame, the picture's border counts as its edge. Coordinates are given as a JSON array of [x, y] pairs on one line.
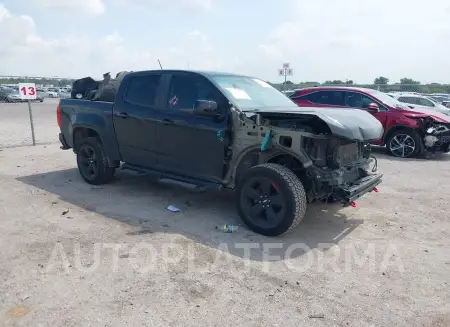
[[167, 122], [122, 115]]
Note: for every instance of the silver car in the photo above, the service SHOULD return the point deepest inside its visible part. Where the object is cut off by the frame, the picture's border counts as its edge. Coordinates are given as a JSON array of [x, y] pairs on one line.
[[415, 101]]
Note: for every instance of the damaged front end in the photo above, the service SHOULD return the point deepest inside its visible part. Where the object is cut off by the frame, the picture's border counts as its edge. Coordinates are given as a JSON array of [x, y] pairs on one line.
[[343, 170], [436, 136], [329, 152]]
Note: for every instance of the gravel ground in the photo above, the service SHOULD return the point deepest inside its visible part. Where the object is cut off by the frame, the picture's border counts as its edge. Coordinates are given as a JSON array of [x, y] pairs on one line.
[[384, 263], [15, 127]]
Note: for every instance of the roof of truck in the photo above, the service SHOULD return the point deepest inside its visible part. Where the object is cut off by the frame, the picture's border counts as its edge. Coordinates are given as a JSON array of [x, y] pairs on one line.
[[201, 72]]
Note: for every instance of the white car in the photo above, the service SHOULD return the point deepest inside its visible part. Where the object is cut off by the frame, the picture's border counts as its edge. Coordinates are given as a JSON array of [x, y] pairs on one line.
[[420, 102], [53, 92]]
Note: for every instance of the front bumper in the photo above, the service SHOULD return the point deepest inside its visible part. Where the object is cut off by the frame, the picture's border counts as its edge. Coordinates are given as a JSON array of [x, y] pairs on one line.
[[349, 193]]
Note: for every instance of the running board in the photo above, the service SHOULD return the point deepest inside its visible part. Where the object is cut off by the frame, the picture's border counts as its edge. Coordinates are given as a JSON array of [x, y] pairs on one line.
[[169, 178]]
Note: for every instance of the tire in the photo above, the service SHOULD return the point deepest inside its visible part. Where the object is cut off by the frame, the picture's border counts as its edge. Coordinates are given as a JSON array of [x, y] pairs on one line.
[[286, 199], [405, 138], [101, 173]]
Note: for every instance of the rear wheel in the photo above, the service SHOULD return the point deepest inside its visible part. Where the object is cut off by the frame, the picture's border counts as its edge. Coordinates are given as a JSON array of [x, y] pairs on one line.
[[271, 200], [92, 163], [404, 143]]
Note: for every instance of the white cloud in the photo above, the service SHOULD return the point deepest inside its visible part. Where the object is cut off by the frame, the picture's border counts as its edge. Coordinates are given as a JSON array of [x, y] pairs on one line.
[[178, 4], [363, 39], [24, 52], [93, 7]]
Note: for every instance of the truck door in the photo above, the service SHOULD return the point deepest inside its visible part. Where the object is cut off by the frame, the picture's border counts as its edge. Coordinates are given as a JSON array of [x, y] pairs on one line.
[[134, 119], [189, 144]]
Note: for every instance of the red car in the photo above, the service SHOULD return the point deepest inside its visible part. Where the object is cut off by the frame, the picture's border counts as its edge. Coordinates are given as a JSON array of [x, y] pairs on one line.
[[407, 132]]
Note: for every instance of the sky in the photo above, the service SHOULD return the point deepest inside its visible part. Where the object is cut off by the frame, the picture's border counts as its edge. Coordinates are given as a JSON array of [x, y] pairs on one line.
[[321, 39]]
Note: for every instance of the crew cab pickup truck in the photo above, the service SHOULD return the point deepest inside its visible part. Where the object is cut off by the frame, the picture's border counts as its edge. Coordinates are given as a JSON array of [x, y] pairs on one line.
[[218, 130]]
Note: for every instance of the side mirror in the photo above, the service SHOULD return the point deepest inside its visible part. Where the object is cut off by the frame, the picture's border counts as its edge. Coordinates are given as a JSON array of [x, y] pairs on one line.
[[373, 107], [206, 108], [411, 107]]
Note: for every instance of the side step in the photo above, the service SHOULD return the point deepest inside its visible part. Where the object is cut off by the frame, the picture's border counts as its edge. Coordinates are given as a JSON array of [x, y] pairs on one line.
[[169, 178]]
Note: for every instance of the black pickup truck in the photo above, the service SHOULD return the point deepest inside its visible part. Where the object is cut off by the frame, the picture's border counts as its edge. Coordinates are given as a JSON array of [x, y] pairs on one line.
[[218, 130]]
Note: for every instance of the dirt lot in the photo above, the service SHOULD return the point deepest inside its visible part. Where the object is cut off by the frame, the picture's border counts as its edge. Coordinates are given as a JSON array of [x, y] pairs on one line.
[[384, 263]]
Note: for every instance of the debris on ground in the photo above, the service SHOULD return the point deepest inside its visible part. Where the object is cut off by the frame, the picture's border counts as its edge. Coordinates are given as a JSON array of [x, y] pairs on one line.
[[173, 208], [228, 228], [317, 316], [18, 311]]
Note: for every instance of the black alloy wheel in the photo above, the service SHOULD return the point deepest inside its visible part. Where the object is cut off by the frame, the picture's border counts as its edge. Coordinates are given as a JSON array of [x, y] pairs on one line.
[[92, 163], [271, 199], [263, 202], [88, 162]]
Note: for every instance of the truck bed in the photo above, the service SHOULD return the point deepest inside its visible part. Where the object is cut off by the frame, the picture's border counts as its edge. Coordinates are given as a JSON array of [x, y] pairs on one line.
[[73, 113]]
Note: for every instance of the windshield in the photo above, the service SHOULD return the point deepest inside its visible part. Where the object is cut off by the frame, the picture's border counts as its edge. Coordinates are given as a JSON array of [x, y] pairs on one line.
[[251, 93], [386, 99]]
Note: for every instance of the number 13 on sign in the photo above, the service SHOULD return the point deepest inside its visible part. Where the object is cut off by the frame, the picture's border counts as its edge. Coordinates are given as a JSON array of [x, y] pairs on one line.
[[27, 91]]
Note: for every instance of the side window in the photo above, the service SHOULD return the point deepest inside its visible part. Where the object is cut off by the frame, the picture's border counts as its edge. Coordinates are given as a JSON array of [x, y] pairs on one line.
[[333, 98], [143, 90], [311, 97], [361, 101], [409, 100], [185, 90], [425, 102]]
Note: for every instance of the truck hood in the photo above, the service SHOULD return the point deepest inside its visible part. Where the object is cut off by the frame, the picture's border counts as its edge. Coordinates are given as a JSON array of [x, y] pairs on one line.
[[352, 124]]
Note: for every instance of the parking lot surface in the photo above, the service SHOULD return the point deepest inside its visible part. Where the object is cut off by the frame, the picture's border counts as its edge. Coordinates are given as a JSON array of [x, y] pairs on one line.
[[15, 127], [77, 255]]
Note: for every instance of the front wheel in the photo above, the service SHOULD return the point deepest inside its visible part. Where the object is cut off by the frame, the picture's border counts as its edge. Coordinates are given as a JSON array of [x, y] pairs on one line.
[[92, 163], [271, 200], [404, 143]]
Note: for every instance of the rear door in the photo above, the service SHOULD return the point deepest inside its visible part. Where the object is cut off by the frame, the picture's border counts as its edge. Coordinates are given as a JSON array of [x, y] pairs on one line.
[[188, 144], [134, 119]]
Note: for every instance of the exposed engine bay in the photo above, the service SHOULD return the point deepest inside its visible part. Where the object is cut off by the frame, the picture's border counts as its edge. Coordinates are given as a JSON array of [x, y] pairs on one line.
[[436, 136], [332, 166]]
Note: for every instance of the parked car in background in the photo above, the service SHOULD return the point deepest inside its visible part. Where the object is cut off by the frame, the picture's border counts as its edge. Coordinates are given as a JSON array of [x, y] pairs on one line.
[[53, 92], [442, 99], [421, 102], [407, 132], [41, 93], [4, 92], [63, 94]]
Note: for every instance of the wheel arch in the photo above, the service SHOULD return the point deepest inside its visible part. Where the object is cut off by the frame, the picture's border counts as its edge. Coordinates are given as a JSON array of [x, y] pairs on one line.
[[397, 128], [82, 132], [253, 157]]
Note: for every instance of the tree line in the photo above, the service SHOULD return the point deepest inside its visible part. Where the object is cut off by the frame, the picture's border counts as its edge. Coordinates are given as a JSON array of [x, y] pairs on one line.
[[381, 83], [37, 80]]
